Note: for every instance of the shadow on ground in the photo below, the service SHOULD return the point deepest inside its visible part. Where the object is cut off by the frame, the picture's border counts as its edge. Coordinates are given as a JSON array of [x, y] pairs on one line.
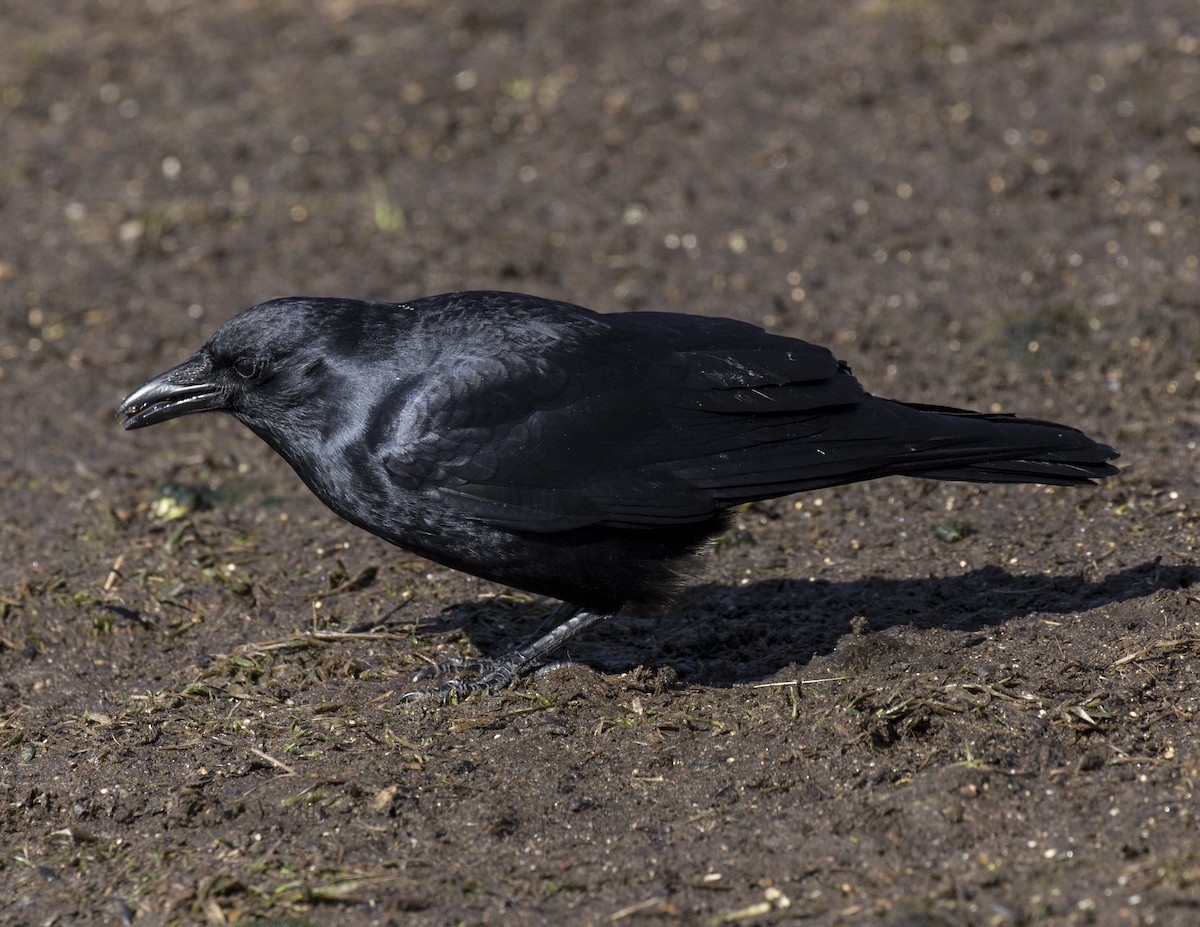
[[724, 636]]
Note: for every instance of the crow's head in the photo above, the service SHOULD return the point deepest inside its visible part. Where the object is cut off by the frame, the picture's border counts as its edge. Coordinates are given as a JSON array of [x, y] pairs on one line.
[[268, 365]]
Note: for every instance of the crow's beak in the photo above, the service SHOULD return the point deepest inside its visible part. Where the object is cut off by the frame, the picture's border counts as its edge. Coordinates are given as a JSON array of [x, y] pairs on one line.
[[180, 391]]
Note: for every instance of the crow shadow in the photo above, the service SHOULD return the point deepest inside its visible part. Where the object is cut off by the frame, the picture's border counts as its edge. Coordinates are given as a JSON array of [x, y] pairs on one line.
[[729, 635]]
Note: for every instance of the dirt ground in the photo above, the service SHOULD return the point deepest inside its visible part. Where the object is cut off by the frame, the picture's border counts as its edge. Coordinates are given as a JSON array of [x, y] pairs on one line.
[[901, 703]]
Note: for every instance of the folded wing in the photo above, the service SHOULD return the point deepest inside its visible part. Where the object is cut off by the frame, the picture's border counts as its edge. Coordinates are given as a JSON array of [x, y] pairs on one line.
[[650, 420]]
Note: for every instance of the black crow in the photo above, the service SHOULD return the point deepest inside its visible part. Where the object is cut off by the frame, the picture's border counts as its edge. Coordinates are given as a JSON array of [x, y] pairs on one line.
[[576, 455]]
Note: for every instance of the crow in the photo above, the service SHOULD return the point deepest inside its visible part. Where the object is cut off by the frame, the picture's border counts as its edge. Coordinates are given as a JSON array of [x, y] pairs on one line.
[[583, 456]]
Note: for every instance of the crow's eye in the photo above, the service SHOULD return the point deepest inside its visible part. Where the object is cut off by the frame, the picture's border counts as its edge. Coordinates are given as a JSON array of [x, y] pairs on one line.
[[245, 367]]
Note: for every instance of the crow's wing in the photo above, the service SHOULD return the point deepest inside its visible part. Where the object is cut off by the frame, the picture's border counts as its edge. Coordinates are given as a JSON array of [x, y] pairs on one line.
[[644, 420]]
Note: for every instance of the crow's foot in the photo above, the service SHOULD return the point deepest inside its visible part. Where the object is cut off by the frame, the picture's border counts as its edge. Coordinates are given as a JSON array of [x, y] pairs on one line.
[[490, 675], [474, 676]]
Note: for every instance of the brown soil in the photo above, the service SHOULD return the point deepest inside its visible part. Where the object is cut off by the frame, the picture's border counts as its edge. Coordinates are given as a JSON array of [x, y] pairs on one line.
[[855, 716]]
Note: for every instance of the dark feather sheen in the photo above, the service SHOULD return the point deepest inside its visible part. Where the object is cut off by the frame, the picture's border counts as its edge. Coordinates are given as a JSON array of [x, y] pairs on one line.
[[564, 452]]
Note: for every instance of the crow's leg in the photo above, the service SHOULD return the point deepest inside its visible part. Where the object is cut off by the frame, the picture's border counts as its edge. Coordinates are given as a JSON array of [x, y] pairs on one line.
[[500, 672]]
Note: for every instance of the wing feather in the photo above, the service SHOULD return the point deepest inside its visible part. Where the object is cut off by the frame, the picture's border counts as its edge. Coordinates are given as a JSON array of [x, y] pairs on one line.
[[563, 418], [643, 420]]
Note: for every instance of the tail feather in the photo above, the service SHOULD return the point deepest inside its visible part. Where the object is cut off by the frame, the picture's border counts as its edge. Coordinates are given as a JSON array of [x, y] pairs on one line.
[[887, 438], [1000, 448], [1051, 473]]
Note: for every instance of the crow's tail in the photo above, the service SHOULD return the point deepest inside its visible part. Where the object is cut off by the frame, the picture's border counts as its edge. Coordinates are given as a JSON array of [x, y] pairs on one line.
[[881, 437], [1005, 449]]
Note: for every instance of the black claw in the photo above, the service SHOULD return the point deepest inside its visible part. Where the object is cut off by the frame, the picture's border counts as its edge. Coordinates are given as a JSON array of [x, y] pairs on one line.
[[486, 676], [491, 675], [454, 666]]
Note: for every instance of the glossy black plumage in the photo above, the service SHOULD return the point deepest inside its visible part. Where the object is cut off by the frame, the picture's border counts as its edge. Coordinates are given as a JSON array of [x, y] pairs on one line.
[[563, 452]]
